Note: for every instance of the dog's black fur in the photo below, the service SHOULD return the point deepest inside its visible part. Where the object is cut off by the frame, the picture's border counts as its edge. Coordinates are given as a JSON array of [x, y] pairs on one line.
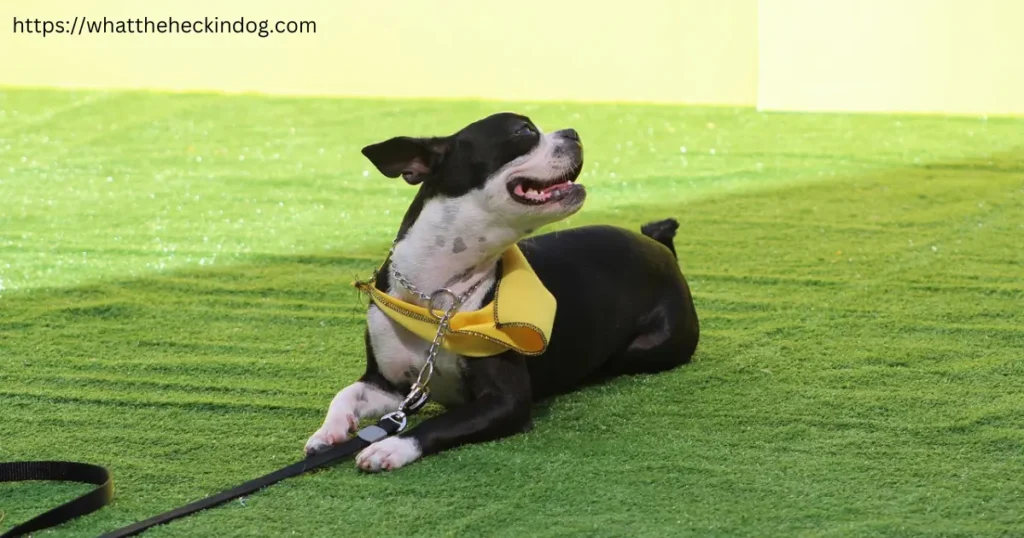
[[623, 306]]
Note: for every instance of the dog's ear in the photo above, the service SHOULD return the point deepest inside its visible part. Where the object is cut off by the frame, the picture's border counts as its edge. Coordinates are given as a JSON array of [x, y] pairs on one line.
[[412, 158]]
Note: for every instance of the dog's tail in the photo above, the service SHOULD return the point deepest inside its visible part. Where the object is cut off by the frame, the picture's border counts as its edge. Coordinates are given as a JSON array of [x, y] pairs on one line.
[[662, 231]]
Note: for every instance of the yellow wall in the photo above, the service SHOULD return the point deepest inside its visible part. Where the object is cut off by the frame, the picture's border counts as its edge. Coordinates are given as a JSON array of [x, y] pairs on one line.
[[953, 56], [644, 50], [956, 56]]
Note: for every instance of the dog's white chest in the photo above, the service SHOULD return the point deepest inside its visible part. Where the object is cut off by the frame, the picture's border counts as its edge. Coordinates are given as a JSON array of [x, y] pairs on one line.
[[400, 355]]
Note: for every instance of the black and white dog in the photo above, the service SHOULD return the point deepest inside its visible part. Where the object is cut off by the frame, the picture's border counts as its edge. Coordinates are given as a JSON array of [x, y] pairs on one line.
[[623, 307]]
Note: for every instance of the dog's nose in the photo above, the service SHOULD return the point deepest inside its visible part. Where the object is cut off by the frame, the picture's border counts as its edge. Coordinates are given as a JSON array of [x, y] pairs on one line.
[[571, 134]]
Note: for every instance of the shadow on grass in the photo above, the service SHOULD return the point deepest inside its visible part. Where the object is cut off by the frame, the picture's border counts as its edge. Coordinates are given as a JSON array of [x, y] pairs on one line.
[[203, 365], [266, 315]]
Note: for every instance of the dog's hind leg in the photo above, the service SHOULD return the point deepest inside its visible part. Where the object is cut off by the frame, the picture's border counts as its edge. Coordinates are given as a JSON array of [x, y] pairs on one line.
[[666, 338]]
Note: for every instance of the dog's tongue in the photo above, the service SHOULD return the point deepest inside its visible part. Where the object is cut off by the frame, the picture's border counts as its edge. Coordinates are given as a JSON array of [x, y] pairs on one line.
[[554, 187]]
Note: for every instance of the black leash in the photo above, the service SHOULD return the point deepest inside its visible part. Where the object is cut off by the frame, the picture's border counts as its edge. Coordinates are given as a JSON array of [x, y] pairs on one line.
[[101, 496], [63, 471], [81, 472]]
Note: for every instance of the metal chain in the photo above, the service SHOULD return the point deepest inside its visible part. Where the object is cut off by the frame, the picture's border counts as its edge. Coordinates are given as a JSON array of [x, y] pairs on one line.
[[404, 282], [418, 394]]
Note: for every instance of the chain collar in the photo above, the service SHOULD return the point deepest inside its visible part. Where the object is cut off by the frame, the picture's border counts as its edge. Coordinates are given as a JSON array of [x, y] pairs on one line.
[[443, 312], [428, 298]]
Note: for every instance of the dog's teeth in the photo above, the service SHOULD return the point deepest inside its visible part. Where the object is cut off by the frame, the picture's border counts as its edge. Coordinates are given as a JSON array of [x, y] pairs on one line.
[[535, 194], [541, 194]]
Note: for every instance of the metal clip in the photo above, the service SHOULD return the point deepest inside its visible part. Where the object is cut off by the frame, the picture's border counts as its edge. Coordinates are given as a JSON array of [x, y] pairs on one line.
[[416, 399]]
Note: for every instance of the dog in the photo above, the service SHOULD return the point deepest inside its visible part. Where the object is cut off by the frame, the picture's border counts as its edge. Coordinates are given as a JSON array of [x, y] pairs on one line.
[[623, 305]]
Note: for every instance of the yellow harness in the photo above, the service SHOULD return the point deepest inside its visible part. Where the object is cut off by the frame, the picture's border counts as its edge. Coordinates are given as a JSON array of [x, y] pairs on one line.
[[519, 318]]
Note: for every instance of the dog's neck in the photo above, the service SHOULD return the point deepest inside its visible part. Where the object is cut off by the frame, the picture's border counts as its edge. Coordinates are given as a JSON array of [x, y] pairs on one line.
[[451, 243]]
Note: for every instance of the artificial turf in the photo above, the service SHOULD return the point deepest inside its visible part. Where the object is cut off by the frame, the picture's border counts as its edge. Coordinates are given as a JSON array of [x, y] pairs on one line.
[[174, 305]]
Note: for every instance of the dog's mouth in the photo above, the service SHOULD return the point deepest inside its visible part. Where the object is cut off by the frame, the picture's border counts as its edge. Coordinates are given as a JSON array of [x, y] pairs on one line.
[[532, 191]]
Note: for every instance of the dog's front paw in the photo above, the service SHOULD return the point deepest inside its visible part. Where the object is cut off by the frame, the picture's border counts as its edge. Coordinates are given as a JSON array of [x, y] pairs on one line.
[[330, 434], [388, 454]]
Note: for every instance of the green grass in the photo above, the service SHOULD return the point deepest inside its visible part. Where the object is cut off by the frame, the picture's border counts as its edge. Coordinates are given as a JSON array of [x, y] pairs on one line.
[[175, 305]]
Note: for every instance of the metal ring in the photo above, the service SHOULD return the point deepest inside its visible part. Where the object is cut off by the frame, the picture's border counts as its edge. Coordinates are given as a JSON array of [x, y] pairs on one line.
[[398, 418], [432, 304]]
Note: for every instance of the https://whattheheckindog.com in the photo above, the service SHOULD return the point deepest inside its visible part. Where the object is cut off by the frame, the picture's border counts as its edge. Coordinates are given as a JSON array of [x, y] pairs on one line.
[[83, 25]]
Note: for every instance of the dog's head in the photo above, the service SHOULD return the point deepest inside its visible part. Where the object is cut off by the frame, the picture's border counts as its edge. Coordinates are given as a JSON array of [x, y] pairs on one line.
[[503, 165]]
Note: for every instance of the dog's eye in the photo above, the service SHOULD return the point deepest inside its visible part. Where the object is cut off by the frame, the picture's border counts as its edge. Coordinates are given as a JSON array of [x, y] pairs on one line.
[[525, 130]]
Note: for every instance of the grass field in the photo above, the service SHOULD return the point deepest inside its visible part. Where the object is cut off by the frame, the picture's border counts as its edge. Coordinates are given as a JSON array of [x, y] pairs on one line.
[[174, 305]]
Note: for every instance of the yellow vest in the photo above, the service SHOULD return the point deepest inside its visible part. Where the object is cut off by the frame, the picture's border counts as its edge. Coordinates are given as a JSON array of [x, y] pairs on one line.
[[519, 318]]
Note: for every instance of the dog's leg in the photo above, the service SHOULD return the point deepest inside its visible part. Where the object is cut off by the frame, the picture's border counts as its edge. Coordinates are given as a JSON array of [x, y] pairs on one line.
[[500, 407], [370, 397]]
